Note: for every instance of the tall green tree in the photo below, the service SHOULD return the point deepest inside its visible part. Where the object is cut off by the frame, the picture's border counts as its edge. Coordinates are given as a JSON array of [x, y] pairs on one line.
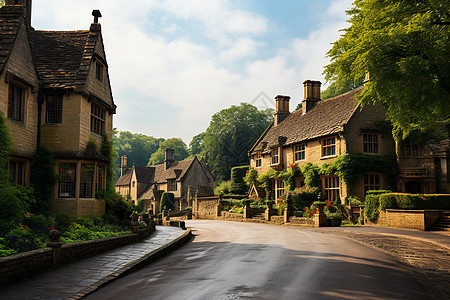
[[404, 46], [181, 151], [136, 146], [196, 145], [230, 135], [340, 86]]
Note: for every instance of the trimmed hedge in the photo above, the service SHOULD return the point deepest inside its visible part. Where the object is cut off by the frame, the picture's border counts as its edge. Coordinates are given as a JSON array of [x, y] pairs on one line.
[[414, 201], [238, 185]]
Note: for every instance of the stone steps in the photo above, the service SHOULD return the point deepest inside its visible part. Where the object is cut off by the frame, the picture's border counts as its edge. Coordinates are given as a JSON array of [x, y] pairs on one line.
[[260, 216], [443, 223]]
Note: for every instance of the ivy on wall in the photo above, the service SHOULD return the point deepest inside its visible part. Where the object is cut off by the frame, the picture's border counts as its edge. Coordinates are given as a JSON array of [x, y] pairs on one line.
[[349, 167]]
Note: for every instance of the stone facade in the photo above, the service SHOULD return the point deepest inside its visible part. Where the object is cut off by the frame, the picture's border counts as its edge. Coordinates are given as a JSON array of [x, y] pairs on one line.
[[55, 92], [339, 123], [178, 177]]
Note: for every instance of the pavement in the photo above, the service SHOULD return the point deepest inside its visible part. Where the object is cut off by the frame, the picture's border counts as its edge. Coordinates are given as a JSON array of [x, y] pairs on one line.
[[425, 251], [78, 279]]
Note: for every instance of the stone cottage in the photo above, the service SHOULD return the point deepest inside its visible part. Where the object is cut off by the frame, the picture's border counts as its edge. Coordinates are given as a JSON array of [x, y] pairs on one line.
[[55, 92], [323, 130], [182, 178]]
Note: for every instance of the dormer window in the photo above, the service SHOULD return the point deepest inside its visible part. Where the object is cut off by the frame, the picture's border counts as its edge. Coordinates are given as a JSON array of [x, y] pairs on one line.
[[275, 156], [329, 147], [99, 71]]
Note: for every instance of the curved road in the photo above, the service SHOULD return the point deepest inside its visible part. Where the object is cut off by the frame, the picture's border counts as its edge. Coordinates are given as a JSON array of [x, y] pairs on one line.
[[232, 260]]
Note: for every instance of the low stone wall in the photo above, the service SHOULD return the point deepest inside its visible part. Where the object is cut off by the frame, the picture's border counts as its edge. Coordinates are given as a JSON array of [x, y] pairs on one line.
[[302, 221], [403, 218], [277, 219], [229, 216], [206, 208], [27, 263]]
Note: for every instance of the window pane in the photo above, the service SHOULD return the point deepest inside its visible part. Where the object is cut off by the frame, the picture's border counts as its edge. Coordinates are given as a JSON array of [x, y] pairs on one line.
[[54, 109], [86, 180], [67, 180]]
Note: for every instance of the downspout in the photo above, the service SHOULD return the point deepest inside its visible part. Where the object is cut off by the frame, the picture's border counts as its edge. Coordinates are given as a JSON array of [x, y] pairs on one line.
[[341, 135], [40, 100]]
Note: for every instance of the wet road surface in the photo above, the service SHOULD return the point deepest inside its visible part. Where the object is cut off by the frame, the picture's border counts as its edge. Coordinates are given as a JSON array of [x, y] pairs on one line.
[[232, 260]]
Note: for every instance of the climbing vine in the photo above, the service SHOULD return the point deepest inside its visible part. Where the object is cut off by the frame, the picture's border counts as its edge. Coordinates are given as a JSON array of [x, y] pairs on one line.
[[349, 167]]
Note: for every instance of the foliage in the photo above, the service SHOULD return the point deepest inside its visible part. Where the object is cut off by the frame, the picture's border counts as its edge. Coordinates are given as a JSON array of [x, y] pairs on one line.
[[63, 220], [84, 229], [311, 174], [230, 135], [136, 146], [43, 179], [223, 188], [341, 86], [196, 145], [372, 204], [167, 202], [414, 201], [181, 151], [108, 151], [403, 45], [351, 167], [353, 200], [238, 185], [15, 203], [289, 175], [250, 176], [5, 149], [303, 197], [265, 178]]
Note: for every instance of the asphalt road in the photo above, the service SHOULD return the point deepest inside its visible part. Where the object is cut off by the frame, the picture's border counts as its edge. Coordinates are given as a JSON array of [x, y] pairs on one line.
[[232, 260]]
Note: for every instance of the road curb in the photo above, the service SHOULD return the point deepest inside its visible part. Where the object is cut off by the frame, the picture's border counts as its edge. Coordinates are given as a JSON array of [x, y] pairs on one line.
[[135, 265]]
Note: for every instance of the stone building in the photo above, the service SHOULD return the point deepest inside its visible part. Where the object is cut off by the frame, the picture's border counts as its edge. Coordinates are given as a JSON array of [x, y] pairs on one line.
[[322, 130], [55, 92], [178, 177], [318, 133]]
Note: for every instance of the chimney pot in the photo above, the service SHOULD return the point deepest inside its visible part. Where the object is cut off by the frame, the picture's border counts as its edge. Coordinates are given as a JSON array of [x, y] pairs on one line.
[[97, 14]]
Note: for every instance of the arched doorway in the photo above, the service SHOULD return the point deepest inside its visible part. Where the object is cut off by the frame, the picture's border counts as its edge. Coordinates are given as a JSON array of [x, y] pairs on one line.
[[413, 187]]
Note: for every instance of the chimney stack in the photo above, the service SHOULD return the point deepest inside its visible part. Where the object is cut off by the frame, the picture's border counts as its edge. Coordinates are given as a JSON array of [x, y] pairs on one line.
[[169, 158], [312, 95], [123, 164], [24, 3], [97, 14], [282, 108]]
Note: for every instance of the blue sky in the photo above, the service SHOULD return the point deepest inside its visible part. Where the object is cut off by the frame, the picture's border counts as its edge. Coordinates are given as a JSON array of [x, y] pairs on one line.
[[174, 63]]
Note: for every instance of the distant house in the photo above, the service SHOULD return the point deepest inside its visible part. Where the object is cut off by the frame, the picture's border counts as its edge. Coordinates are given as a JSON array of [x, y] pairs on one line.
[[55, 92], [323, 130], [178, 177]]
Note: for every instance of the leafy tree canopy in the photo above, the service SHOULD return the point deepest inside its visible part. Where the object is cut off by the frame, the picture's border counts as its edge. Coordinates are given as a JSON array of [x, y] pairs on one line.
[[230, 135], [340, 86], [136, 146], [181, 151], [196, 145], [404, 46]]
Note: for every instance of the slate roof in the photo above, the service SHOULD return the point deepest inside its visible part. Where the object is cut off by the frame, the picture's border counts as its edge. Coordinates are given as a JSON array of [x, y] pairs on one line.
[[9, 26], [157, 173], [326, 118], [125, 179], [63, 57]]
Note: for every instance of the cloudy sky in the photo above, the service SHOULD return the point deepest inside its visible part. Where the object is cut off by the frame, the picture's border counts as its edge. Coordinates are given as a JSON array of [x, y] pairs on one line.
[[174, 63]]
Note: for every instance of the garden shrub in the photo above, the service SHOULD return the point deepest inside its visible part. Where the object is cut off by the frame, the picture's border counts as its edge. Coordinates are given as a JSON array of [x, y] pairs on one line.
[[250, 176], [353, 200], [435, 201], [223, 187], [372, 204], [15, 202], [238, 185], [387, 201], [63, 220], [43, 179], [167, 202]]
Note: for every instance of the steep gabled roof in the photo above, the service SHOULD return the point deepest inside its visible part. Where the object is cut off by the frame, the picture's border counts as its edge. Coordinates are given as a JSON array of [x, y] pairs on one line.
[[125, 179], [58, 56], [176, 171], [326, 118], [9, 26], [144, 174]]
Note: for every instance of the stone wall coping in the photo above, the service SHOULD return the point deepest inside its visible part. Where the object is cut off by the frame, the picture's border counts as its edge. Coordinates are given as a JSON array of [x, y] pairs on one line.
[[413, 210], [26, 254], [98, 241]]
